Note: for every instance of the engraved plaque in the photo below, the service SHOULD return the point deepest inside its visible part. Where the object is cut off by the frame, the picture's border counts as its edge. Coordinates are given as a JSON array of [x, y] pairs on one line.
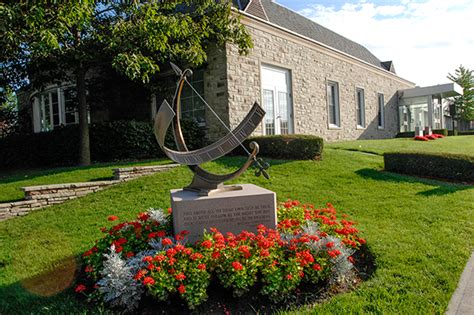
[[231, 211]]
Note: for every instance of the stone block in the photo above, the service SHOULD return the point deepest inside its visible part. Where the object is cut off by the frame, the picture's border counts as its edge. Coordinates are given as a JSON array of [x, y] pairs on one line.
[[231, 211]]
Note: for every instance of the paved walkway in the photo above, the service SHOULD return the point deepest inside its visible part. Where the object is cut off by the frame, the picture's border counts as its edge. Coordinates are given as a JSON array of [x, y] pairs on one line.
[[462, 301]]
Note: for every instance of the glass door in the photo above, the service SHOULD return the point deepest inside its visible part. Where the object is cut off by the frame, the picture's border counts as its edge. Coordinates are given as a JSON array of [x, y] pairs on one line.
[[276, 101]]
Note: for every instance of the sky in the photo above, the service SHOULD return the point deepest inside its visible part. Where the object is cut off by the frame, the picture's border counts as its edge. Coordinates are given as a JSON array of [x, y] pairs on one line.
[[426, 39]]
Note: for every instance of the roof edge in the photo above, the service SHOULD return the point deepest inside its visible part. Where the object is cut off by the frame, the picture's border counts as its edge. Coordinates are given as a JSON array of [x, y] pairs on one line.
[[323, 45]]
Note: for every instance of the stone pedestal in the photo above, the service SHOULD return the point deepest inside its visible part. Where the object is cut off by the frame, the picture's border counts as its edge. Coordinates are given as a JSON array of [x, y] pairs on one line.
[[231, 211]]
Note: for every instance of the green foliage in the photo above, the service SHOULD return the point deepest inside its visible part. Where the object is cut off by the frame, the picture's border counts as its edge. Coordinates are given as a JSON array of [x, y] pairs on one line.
[[464, 104], [446, 166], [443, 132], [421, 235], [110, 141], [297, 147], [466, 133]]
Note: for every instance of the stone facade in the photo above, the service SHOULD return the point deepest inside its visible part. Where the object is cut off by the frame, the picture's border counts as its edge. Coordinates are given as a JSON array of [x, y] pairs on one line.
[[311, 66]]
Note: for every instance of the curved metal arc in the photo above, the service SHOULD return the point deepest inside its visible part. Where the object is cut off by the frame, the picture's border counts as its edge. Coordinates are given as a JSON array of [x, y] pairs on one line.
[[166, 115]]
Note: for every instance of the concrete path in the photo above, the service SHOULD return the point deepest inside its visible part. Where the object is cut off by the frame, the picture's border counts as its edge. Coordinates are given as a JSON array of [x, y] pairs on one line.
[[462, 301]]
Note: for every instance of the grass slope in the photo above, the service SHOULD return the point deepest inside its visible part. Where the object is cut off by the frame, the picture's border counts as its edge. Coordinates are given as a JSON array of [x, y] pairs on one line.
[[421, 232], [460, 144], [10, 183]]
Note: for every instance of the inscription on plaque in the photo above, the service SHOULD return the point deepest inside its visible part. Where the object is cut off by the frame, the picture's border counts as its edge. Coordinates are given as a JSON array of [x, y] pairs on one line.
[[228, 212]]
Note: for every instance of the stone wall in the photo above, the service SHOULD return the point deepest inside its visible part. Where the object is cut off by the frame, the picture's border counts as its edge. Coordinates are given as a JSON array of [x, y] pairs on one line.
[[128, 173], [311, 66], [37, 197]]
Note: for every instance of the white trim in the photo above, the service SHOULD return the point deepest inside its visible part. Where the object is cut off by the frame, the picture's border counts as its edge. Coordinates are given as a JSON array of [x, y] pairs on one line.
[[263, 8], [360, 127], [337, 105]]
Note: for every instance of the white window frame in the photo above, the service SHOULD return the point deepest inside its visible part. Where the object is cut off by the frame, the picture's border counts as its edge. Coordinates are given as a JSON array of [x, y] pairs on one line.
[[337, 110], [380, 111], [362, 108], [41, 104], [276, 97]]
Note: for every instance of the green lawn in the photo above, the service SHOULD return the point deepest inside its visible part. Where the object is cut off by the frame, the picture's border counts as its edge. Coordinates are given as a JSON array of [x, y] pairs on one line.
[[460, 144], [421, 232], [10, 183]]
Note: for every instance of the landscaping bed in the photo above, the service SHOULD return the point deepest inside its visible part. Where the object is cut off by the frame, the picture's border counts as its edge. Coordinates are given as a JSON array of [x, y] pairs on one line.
[[420, 233]]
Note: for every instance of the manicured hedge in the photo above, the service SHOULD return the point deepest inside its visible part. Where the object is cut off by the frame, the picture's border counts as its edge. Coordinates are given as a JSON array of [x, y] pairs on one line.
[[110, 141], [288, 147], [407, 134], [443, 132], [466, 133], [439, 165]]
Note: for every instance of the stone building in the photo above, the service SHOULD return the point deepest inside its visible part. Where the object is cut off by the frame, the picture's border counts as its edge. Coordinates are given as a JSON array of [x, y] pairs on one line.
[[308, 79]]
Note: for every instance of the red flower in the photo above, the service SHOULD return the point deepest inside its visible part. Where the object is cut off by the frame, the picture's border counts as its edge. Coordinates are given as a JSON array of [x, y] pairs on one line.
[[201, 267], [80, 288], [334, 253], [140, 274], [180, 276], [316, 267], [148, 259], [196, 256], [237, 266], [330, 244], [148, 281], [264, 253], [143, 216], [216, 255], [129, 254], [182, 289], [112, 218], [179, 247], [207, 244], [159, 258], [166, 241], [245, 251], [351, 259], [289, 277], [170, 211], [89, 268]]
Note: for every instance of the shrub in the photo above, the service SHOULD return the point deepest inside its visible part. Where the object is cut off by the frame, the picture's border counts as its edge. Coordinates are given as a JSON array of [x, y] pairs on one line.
[[407, 134], [466, 133], [109, 141], [443, 131], [289, 147], [439, 165], [453, 132], [142, 257]]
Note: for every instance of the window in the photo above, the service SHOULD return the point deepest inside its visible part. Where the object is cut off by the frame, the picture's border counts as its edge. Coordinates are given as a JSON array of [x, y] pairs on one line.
[[360, 108], [380, 115], [333, 104], [57, 107], [192, 105]]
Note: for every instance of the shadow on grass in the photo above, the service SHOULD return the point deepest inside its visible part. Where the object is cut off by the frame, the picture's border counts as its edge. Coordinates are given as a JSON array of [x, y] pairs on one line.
[[440, 188]]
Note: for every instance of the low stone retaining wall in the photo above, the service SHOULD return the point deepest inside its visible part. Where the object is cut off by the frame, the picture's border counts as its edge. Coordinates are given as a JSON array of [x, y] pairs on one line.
[[127, 173], [37, 197]]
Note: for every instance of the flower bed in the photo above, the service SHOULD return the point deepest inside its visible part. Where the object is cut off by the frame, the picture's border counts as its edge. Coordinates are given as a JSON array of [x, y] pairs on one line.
[[433, 136], [142, 258]]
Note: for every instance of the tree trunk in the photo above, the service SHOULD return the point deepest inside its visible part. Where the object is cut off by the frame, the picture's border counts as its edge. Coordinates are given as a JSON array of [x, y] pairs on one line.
[[84, 143]]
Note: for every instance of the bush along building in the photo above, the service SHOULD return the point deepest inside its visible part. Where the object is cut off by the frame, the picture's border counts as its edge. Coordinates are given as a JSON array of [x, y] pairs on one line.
[[309, 80]]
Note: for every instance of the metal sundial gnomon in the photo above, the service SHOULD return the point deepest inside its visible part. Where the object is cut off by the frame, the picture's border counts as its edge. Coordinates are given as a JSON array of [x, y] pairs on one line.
[[205, 182]]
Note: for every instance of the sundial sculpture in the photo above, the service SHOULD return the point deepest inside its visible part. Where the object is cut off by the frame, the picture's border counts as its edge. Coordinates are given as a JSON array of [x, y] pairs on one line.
[[204, 182]]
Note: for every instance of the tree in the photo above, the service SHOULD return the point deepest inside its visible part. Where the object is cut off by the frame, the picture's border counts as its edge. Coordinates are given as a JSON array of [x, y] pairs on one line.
[[57, 41], [464, 104]]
